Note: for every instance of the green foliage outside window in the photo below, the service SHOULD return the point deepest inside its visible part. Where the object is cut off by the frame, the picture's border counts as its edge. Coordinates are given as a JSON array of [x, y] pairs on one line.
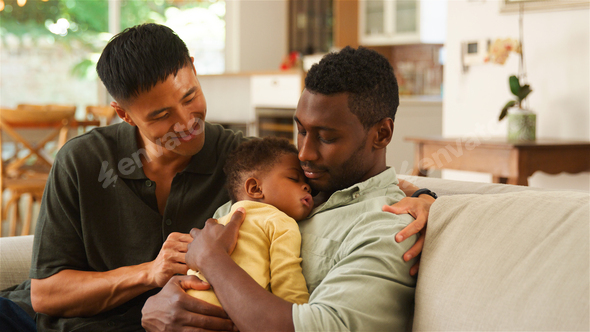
[[79, 24]]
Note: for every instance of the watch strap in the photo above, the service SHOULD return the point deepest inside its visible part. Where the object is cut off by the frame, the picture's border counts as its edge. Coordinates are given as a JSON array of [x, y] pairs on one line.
[[425, 191]]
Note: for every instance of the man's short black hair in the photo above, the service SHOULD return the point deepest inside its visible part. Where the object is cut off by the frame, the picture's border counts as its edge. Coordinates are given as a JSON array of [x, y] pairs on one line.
[[363, 73], [140, 57], [255, 156]]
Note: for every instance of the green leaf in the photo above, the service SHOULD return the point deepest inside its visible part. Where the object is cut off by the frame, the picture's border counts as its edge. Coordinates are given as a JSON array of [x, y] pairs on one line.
[[524, 92], [514, 85], [80, 70], [505, 109]]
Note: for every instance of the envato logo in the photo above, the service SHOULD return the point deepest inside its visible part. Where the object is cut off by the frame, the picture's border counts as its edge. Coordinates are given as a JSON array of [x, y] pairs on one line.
[[467, 142], [171, 140]]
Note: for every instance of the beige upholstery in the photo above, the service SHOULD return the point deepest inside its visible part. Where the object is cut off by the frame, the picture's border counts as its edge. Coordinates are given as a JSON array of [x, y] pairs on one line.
[[444, 187], [15, 259], [514, 261]]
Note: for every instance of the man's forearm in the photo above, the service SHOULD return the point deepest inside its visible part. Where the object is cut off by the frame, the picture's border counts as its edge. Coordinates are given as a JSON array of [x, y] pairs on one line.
[[250, 307], [407, 187], [71, 293]]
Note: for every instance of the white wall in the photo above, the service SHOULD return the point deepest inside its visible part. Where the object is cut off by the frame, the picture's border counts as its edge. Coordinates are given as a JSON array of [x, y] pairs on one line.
[[256, 34], [556, 48]]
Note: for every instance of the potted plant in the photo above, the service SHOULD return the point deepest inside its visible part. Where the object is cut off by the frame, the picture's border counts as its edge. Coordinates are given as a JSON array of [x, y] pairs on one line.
[[521, 120]]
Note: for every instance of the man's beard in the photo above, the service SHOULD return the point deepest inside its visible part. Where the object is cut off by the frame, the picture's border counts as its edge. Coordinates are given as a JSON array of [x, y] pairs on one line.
[[349, 173]]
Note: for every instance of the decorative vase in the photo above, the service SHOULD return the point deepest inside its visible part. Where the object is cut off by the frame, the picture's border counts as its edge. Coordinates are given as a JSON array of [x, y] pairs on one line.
[[522, 125]]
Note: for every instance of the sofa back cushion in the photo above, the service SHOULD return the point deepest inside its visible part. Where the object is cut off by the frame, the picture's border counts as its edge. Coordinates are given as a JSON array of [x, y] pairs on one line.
[[513, 261]]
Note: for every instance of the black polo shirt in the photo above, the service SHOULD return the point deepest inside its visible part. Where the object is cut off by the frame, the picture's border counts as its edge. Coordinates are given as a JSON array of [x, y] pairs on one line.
[[99, 212]]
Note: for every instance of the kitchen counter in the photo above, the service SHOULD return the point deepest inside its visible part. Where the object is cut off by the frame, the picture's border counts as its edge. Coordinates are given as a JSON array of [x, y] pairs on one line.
[[433, 100]]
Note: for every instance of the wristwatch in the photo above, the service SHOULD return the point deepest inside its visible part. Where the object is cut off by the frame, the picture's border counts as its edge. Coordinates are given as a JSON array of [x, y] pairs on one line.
[[425, 191]]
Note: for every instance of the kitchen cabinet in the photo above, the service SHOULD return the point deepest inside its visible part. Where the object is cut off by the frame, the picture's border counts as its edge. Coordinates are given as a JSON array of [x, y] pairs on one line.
[[397, 22], [261, 102]]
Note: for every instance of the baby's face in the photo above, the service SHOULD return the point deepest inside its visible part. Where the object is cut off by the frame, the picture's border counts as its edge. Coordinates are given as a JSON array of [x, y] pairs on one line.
[[285, 187]]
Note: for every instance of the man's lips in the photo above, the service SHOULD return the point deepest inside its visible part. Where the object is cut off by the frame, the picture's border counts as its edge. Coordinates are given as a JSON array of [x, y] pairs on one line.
[[313, 173], [193, 132]]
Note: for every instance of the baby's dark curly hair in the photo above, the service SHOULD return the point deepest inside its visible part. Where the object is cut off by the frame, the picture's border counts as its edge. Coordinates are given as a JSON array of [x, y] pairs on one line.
[[366, 75], [257, 155]]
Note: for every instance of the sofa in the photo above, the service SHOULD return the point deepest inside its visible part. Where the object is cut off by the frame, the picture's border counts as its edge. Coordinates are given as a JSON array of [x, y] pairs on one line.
[[496, 258]]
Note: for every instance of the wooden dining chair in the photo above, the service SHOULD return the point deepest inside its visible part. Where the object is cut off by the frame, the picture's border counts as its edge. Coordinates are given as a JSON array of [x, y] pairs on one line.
[[19, 179], [17, 188], [105, 114], [35, 117], [32, 190]]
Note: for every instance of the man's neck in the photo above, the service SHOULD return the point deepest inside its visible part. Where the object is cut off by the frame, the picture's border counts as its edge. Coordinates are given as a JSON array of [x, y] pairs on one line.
[[159, 158], [323, 196]]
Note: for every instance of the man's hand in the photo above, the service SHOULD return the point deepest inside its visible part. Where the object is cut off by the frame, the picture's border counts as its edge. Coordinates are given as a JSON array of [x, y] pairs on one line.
[[418, 208], [214, 237], [170, 260], [172, 309]]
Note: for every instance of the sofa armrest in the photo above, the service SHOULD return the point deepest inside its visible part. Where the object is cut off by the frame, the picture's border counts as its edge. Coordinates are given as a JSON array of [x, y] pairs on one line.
[[15, 259]]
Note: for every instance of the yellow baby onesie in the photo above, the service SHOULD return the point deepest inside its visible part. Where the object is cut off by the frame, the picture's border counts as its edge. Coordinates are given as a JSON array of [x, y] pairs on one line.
[[268, 249]]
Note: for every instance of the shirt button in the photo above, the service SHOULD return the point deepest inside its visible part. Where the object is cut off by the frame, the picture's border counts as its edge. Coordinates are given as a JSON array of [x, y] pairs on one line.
[[148, 183], [111, 324], [168, 222], [355, 195]]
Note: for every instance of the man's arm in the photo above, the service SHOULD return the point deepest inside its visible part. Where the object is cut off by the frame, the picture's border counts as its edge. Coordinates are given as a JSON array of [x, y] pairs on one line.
[[71, 293], [251, 307], [417, 207], [368, 289], [172, 309], [63, 282]]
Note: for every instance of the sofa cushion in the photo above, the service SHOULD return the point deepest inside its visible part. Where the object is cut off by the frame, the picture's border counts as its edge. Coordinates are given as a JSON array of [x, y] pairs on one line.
[[15, 259], [513, 261]]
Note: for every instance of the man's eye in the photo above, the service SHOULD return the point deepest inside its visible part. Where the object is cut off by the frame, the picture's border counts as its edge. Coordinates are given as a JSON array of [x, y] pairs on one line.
[[162, 117], [190, 101], [326, 140]]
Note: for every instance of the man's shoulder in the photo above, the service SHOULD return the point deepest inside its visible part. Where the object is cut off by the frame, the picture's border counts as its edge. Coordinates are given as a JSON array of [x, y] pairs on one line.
[[101, 143], [361, 218], [224, 139]]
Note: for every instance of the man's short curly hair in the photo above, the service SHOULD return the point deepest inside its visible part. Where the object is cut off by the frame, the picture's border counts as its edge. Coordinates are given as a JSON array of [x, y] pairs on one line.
[[366, 75], [255, 156]]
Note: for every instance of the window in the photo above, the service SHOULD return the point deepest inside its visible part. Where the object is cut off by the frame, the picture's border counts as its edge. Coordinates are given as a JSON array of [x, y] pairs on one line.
[[50, 47]]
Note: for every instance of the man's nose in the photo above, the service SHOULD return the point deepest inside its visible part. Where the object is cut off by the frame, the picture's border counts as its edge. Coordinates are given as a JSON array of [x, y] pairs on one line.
[[185, 122], [307, 149]]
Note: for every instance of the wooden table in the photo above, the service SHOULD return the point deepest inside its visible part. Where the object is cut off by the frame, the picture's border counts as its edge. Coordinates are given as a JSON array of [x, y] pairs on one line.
[[508, 162]]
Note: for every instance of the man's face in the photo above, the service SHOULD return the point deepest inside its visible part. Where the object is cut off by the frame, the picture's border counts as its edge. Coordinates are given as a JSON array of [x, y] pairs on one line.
[[171, 115], [333, 148]]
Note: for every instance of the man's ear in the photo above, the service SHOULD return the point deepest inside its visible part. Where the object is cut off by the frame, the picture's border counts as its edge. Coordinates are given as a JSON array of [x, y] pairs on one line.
[[122, 113], [384, 133], [193, 64], [253, 188]]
